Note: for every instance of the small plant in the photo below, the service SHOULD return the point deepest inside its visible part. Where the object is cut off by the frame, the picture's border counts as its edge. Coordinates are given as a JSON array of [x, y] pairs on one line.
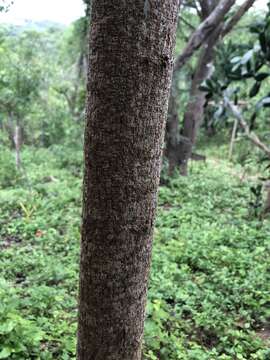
[[28, 211], [19, 338]]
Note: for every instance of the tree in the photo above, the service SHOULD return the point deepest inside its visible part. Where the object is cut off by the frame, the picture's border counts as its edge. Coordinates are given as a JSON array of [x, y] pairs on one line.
[[131, 64], [72, 84], [20, 78], [75, 50], [214, 26]]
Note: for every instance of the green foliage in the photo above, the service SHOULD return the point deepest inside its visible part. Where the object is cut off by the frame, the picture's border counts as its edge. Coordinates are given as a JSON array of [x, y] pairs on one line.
[[247, 66], [208, 295], [209, 287], [42, 83], [19, 338], [9, 176]]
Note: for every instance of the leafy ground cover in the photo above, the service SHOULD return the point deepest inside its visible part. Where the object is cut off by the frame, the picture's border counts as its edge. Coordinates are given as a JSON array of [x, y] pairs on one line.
[[209, 293]]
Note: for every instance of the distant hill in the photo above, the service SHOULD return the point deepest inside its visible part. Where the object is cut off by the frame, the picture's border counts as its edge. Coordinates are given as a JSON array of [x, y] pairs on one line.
[[24, 24]]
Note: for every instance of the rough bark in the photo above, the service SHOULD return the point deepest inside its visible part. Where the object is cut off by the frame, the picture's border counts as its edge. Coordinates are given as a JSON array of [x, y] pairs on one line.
[[131, 64]]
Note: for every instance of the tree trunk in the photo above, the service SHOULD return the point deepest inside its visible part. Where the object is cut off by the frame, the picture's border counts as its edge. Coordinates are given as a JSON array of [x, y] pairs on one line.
[[131, 63], [195, 109], [179, 148], [18, 143], [266, 208], [173, 138]]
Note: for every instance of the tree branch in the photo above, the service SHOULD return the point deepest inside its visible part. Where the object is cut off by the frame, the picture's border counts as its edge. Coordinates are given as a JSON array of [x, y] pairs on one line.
[[187, 23], [249, 134], [237, 16], [203, 31]]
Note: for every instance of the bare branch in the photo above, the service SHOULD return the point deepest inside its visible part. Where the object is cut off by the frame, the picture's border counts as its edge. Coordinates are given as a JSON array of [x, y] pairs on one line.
[[237, 16], [187, 23]]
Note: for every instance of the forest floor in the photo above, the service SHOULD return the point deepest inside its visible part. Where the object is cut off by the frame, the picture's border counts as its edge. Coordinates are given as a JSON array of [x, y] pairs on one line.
[[209, 288]]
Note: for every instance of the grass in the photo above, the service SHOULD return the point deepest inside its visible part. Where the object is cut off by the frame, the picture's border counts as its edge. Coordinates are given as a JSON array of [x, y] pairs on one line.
[[209, 288]]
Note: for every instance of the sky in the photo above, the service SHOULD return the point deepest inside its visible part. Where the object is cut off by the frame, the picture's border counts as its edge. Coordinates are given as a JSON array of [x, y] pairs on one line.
[[62, 11]]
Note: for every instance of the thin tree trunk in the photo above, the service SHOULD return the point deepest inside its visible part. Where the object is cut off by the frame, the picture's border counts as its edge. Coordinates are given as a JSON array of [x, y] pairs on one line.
[[179, 149], [9, 127], [266, 208], [235, 126], [18, 143], [195, 109], [131, 63], [173, 138]]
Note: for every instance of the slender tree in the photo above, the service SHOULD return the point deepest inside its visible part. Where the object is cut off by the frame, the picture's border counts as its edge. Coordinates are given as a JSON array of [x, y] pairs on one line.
[[130, 64]]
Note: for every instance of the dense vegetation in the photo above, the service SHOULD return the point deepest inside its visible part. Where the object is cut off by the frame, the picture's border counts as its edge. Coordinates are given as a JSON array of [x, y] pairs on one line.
[[209, 288]]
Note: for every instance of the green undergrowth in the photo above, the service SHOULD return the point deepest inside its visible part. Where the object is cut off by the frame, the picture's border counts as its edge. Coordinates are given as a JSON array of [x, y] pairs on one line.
[[209, 293]]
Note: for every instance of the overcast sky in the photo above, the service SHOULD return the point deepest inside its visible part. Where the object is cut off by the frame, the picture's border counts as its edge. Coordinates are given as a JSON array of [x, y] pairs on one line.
[[62, 11]]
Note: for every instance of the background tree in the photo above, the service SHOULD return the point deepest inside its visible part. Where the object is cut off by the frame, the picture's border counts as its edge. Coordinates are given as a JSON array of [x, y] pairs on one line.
[[248, 67], [214, 26], [126, 110], [20, 77]]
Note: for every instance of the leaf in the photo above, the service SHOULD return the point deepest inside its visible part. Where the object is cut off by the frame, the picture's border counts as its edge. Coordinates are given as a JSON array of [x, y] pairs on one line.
[[255, 89], [256, 28], [236, 59], [263, 42], [253, 190], [247, 57], [209, 95], [204, 88], [252, 120], [5, 353], [261, 76], [209, 84], [7, 327], [266, 102]]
